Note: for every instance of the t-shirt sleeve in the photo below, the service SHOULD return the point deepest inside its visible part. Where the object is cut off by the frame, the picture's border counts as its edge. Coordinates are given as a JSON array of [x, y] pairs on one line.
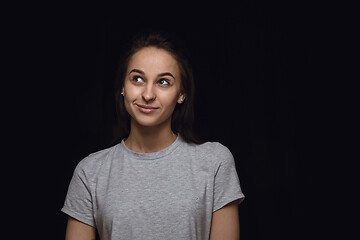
[[79, 199], [227, 185]]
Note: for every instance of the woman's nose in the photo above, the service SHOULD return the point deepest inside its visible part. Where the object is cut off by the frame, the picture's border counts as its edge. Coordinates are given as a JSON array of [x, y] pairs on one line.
[[148, 94]]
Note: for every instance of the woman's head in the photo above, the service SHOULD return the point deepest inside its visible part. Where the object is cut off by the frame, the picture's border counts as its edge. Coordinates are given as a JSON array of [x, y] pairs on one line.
[[152, 87], [155, 84]]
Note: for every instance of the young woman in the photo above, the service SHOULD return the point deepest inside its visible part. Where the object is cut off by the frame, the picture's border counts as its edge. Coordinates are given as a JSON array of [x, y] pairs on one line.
[[160, 182]]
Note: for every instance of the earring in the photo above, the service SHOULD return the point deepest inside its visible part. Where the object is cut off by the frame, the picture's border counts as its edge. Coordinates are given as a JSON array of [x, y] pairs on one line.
[[122, 92]]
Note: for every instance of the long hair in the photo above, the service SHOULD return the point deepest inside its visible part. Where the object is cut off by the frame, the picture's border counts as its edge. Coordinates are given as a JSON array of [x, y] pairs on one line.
[[183, 116]]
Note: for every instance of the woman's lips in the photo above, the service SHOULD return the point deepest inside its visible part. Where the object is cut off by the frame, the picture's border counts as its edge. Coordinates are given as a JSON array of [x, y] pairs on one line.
[[146, 108]]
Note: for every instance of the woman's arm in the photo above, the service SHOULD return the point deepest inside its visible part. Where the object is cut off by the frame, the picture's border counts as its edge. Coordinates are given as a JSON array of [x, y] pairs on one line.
[[77, 230], [225, 223]]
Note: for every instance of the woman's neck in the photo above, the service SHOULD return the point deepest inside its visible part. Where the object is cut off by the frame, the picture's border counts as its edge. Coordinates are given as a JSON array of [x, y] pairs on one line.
[[149, 139]]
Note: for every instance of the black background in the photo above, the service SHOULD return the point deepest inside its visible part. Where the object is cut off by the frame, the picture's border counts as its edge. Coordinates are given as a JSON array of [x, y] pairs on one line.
[[255, 67]]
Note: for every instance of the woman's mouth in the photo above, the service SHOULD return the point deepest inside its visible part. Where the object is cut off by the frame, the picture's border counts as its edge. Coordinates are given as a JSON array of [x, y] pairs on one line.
[[146, 108]]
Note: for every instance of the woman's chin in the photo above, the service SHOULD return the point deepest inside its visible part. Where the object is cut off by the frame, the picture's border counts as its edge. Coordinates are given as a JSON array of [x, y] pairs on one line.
[[148, 122]]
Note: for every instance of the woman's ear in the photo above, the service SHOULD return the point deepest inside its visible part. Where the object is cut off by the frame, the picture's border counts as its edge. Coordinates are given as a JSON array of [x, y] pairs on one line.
[[181, 98]]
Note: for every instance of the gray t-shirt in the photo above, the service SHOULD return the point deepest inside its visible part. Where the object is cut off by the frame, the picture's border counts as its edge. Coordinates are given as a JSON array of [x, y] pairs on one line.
[[169, 194]]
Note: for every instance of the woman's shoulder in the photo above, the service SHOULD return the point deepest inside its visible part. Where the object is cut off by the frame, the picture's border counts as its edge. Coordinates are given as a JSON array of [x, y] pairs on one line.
[[214, 150], [212, 147], [95, 160]]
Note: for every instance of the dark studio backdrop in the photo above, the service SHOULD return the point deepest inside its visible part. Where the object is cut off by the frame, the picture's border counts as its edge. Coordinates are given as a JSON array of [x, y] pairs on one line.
[[254, 70]]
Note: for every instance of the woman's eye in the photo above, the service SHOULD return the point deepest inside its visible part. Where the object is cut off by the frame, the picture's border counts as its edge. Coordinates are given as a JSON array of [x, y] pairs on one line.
[[137, 79], [163, 82]]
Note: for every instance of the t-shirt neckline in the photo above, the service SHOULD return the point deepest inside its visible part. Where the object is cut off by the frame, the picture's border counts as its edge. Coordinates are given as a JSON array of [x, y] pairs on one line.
[[153, 155]]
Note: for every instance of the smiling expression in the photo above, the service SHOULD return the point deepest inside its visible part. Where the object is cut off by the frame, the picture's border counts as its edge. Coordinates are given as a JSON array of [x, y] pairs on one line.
[[152, 87]]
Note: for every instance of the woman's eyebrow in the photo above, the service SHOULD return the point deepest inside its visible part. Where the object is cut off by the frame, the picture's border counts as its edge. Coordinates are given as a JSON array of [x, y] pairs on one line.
[[159, 75], [166, 74], [137, 70]]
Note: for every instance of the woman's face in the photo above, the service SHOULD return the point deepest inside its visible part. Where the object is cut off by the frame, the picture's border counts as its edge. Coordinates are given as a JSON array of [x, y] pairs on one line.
[[152, 87]]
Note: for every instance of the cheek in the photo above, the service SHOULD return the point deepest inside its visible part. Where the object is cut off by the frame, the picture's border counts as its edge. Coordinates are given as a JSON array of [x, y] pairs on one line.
[[169, 100], [131, 93]]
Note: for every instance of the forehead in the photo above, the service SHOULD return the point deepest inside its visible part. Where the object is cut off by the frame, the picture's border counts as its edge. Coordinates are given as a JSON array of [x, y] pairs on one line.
[[152, 60]]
